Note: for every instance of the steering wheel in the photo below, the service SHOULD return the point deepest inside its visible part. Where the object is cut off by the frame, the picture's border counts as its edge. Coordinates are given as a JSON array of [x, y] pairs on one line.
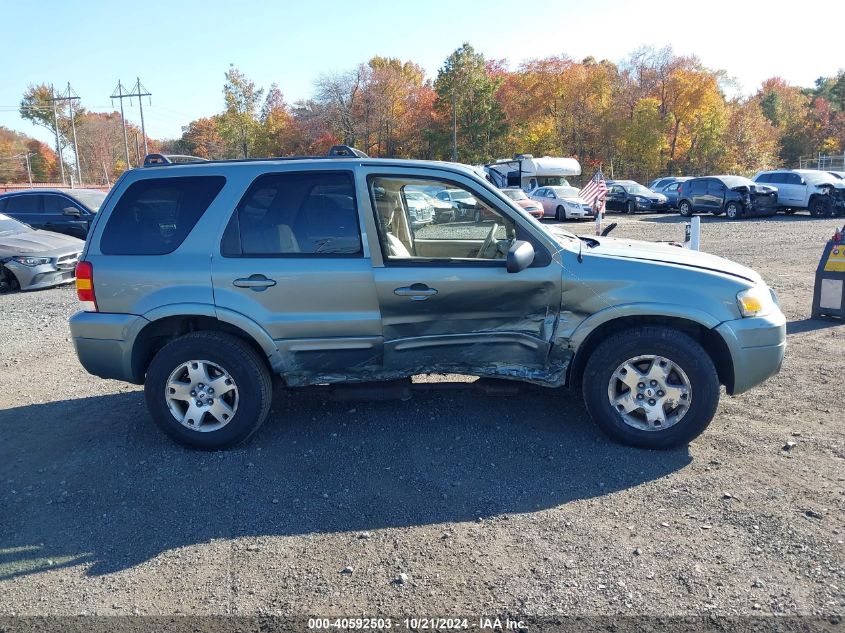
[[489, 243]]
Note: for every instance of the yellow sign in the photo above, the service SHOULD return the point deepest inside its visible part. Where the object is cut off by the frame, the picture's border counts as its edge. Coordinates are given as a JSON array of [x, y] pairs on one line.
[[836, 260]]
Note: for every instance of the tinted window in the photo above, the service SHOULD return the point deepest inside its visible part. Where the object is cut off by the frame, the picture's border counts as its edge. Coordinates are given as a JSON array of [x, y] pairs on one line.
[[793, 179], [715, 188], [296, 214], [56, 204], [697, 187], [764, 178], [779, 178], [153, 217], [24, 204], [2, 204]]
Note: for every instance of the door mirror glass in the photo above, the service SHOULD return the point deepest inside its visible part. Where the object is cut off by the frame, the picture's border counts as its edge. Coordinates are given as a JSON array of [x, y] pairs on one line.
[[520, 256]]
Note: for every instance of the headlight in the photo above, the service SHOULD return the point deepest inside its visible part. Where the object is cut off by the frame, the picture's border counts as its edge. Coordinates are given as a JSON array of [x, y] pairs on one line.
[[755, 301], [32, 261], [640, 200]]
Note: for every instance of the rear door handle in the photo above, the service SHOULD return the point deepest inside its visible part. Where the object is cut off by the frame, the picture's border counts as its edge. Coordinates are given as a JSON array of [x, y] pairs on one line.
[[255, 282], [417, 292]]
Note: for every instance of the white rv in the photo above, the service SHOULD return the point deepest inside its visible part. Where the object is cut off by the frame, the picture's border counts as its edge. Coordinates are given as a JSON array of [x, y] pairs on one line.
[[528, 173]]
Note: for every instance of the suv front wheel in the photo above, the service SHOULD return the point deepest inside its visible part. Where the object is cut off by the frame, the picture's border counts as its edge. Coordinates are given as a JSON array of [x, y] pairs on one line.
[[208, 390], [651, 387]]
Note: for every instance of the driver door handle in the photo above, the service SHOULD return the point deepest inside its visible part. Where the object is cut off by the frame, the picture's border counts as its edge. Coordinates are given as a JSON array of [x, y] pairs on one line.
[[417, 292], [255, 282]]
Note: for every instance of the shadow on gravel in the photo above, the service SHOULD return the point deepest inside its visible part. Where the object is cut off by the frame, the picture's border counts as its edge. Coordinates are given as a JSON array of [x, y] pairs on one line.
[[93, 481], [674, 218], [811, 325]]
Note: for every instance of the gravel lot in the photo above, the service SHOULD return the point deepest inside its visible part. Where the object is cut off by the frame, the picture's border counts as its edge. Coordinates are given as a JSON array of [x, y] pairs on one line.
[[455, 502]]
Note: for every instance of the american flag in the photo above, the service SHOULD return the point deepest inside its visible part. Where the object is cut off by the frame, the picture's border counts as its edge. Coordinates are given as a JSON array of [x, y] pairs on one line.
[[594, 190]]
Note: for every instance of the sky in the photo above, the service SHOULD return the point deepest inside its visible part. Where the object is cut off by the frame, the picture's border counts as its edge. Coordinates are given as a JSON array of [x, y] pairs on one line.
[[181, 49]]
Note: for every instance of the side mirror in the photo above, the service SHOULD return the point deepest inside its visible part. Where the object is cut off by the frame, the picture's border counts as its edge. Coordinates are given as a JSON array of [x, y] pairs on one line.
[[520, 256], [72, 211]]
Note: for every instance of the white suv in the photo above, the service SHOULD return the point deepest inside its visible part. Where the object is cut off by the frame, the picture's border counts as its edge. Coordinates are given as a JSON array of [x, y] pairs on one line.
[[818, 191]]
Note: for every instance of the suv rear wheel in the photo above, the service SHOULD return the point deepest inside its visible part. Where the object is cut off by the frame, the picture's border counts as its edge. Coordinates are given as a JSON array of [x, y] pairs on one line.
[[684, 208], [651, 387], [208, 390]]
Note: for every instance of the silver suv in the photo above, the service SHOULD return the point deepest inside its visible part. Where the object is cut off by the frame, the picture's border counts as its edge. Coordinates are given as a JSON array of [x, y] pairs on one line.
[[203, 280]]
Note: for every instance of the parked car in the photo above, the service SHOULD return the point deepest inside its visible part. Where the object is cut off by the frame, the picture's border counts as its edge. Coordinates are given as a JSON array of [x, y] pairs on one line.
[[462, 202], [521, 198], [420, 210], [562, 203], [631, 197], [735, 196], [670, 190], [245, 270], [659, 183], [820, 192], [31, 259], [68, 211]]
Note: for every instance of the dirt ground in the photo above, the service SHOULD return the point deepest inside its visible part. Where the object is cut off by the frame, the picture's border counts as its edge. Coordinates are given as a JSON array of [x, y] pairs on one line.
[[455, 502]]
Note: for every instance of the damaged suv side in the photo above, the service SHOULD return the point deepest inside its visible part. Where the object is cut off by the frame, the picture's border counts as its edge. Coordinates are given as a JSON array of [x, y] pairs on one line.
[[202, 281], [734, 196]]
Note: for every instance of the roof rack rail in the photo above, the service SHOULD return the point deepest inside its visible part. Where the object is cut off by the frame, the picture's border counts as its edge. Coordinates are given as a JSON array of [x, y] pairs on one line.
[[153, 160], [345, 151]]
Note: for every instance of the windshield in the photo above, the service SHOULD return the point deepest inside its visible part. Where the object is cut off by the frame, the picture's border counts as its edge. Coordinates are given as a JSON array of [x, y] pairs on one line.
[[552, 181], [816, 178], [638, 190], [737, 181], [567, 192], [515, 194], [8, 226], [91, 199]]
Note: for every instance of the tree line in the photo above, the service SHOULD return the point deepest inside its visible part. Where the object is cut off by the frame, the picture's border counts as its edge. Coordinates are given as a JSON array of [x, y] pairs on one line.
[[653, 113]]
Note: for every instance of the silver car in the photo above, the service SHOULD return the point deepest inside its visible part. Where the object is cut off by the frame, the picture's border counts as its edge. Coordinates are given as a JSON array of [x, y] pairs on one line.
[[31, 259], [201, 281]]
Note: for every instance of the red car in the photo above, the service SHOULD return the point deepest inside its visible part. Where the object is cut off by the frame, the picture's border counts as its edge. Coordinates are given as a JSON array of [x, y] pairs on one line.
[[518, 195]]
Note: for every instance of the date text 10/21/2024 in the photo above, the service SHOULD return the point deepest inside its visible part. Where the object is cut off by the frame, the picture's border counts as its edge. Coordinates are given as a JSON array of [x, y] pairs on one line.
[[416, 624]]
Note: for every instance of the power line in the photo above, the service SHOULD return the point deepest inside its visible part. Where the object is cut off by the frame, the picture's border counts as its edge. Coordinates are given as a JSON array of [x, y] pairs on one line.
[[138, 90]]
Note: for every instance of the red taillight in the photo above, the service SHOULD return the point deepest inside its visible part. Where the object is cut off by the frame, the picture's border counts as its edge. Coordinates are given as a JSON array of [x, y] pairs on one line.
[[85, 286]]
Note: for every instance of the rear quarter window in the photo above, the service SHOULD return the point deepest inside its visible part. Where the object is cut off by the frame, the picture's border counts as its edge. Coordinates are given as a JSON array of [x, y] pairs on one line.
[[154, 216]]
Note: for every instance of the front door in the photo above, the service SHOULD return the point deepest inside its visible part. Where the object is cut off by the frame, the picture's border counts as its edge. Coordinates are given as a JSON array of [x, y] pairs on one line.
[[293, 262], [447, 302]]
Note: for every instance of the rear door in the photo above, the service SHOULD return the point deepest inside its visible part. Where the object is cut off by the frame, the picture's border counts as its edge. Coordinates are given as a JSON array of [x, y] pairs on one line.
[[698, 194], [789, 194], [716, 191], [447, 301], [294, 261]]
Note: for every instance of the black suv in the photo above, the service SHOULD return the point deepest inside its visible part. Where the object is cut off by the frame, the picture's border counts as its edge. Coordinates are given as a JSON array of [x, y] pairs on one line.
[[734, 196], [68, 211], [630, 197]]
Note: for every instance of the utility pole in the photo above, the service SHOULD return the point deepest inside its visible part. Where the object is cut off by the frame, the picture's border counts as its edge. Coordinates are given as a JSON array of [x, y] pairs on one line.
[[70, 96], [119, 94], [140, 91], [28, 168], [56, 130], [137, 149]]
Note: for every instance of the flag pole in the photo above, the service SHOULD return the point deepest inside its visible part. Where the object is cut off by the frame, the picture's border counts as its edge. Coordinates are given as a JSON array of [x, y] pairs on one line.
[[597, 211]]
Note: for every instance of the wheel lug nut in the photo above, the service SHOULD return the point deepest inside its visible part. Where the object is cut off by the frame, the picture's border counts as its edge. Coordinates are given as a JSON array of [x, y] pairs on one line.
[[211, 391], [209, 402], [652, 401], [639, 396], [194, 394], [653, 383], [661, 393], [641, 385], [199, 403]]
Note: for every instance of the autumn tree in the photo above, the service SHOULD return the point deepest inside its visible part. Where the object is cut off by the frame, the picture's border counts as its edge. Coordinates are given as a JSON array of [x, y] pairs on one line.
[[239, 122]]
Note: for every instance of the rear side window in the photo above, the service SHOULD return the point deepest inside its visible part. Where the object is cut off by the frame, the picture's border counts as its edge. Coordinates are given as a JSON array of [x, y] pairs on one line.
[[24, 204], [302, 214], [697, 187], [153, 217]]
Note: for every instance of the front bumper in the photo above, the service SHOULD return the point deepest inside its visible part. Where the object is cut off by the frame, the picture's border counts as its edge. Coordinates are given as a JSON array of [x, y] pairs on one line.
[[579, 211], [104, 343], [756, 346], [42, 276]]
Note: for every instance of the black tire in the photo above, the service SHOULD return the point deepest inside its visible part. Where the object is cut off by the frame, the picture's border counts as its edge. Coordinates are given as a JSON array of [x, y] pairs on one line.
[[631, 208], [560, 214], [733, 211], [669, 343], [685, 208], [246, 367], [817, 207]]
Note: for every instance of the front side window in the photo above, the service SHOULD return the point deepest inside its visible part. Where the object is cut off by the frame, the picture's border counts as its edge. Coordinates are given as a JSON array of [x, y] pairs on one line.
[[296, 214], [154, 216], [57, 204], [470, 229]]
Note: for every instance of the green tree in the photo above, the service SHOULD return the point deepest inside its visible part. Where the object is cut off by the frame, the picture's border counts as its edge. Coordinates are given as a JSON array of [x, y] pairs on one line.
[[463, 83], [644, 140], [239, 122]]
